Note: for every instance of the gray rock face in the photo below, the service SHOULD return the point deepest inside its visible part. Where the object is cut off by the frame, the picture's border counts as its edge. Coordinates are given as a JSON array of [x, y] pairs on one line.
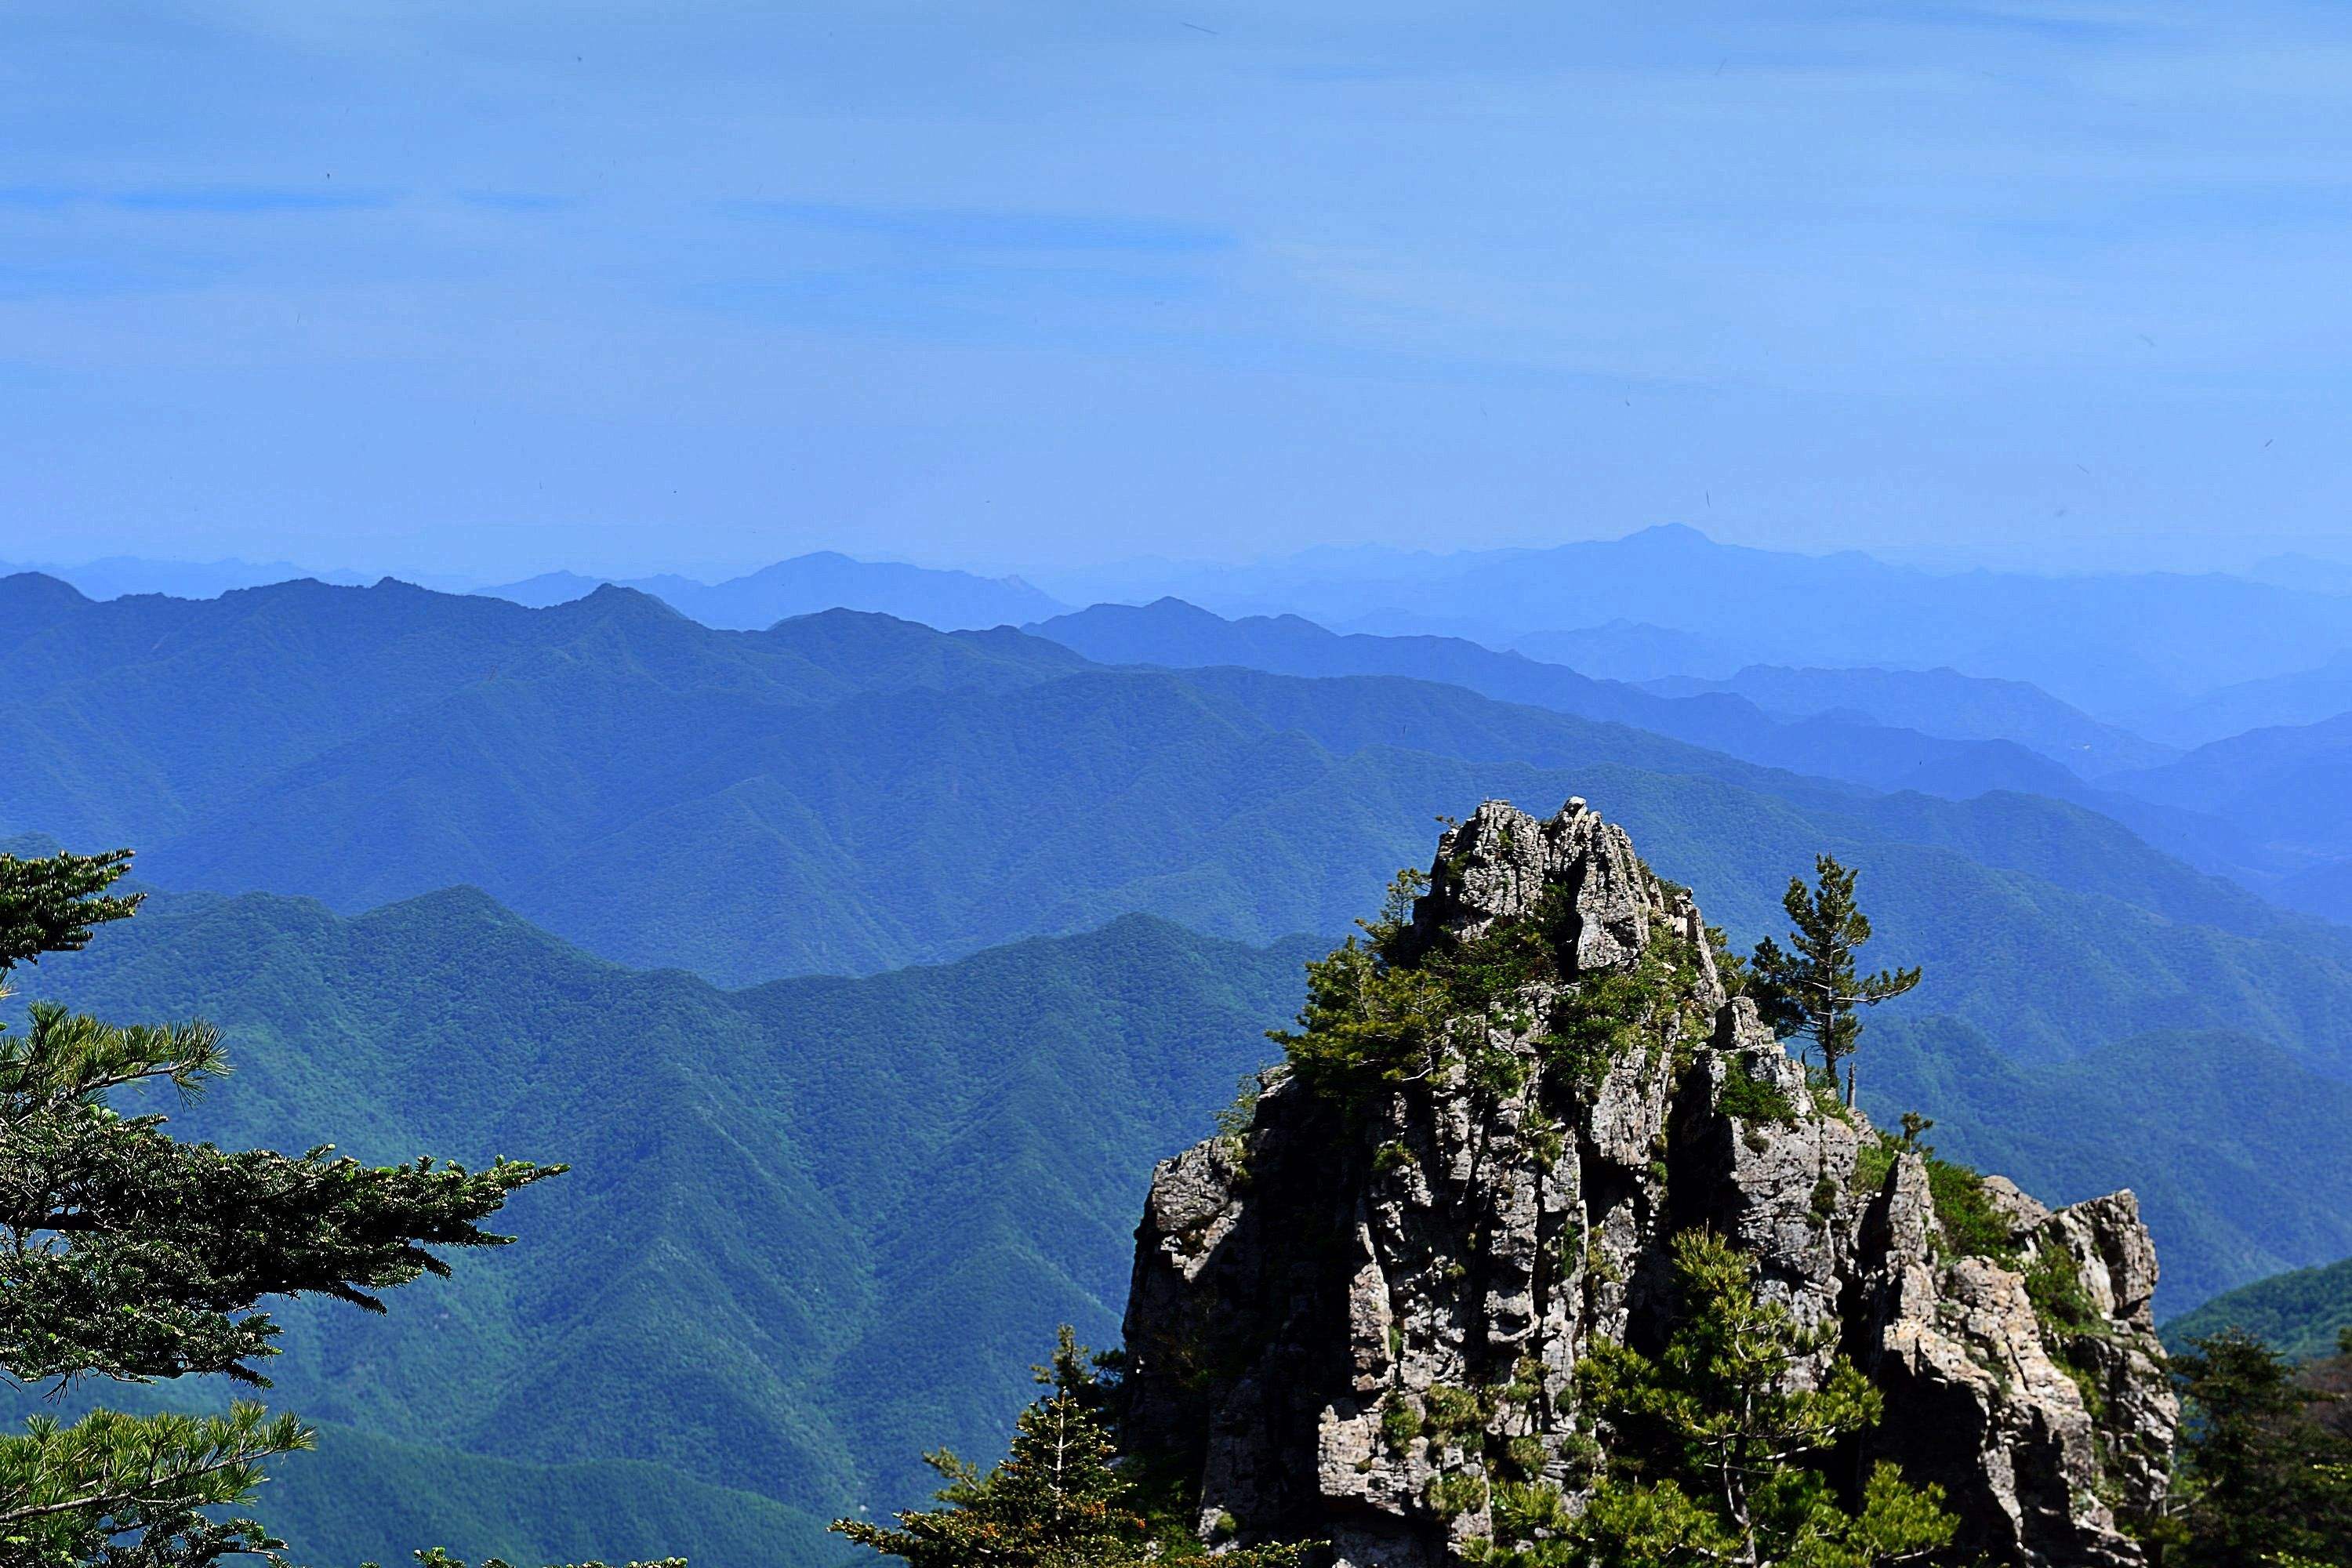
[[1340, 1317]]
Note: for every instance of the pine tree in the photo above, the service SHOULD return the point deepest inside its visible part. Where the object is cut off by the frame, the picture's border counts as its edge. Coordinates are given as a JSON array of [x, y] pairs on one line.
[[2259, 1482], [1716, 1447], [1058, 1500], [125, 1253], [1815, 992]]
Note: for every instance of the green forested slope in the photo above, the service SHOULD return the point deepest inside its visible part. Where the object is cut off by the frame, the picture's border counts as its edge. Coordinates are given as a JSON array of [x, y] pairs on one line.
[[813, 1228], [2303, 1313], [364, 1498]]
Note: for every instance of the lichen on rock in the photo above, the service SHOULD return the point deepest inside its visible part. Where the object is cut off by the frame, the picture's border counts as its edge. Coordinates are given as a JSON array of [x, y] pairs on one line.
[[1359, 1321]]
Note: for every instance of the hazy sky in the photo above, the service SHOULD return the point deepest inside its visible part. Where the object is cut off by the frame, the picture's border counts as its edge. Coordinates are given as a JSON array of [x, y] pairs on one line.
[[492, 287]]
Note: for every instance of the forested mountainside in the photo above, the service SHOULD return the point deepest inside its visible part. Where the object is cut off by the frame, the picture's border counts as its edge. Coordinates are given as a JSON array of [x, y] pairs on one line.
[[840, 1165], [778, 1195], [851, 793], [2304, 1313], [2284, 790], [1936, 732]]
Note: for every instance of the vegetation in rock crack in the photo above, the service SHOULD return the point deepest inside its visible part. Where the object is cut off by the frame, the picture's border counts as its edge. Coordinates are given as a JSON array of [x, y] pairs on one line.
[[1394, 1006], [1057, 1500], [125, 1253], [1816, 991], [1755, 1100], [1971, 1226], [2260, 1481], [1717, 1448]]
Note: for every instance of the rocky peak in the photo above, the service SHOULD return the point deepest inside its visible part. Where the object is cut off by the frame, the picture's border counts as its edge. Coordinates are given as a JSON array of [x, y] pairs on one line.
[[1349, 1322]]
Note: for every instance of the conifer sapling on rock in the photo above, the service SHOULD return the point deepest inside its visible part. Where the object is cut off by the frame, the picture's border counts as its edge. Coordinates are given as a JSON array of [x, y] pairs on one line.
[[1815, 992]]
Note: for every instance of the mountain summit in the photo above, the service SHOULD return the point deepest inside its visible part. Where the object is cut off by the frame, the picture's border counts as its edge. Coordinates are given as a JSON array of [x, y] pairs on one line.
[[1368, 1317]]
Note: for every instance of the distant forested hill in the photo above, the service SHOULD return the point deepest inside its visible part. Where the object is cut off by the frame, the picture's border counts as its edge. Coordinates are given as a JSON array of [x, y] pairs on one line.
[[2302, 1315], [817, 1225]]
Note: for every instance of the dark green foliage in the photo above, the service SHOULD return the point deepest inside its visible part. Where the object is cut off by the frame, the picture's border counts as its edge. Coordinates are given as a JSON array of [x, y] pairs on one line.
[[1972, 1226], [1715, 1456], [1755, 1100], [132, 1256], [1054, 1501], [439, 1557], [2302, 1315], [1453, 1493], [1400, 1422], [2053, 1283], [1815, 992], [1383, 1009], [152, 1486], [2259, 1482], [1450, 1411], [51, 904]]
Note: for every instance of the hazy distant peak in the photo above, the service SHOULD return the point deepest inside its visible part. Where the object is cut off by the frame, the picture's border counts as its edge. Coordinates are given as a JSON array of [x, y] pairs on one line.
[[1678, 535], [26, 591]]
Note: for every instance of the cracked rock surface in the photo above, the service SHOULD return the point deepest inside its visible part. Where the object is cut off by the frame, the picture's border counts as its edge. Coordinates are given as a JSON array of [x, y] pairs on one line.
[[1339, 1319]]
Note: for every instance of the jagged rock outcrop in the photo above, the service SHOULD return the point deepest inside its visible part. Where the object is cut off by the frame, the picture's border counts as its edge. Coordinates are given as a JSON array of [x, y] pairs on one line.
[[1369, 1293]]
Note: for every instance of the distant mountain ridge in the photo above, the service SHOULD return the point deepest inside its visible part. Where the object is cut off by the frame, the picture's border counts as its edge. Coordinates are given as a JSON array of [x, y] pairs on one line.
[[116, 575], [806, 585], [2114, 645], [1857, 748], [2287, 791], [851, 793], [1940, 702]]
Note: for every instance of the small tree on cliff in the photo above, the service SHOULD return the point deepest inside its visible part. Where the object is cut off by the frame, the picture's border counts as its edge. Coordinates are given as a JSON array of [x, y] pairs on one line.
[[2259, 1482], [1815, 992], [128, 1255], [1717, 1442], [1056, 1500]]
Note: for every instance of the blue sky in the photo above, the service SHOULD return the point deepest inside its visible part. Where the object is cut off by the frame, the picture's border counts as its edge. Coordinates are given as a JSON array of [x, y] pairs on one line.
[[489, 290]]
